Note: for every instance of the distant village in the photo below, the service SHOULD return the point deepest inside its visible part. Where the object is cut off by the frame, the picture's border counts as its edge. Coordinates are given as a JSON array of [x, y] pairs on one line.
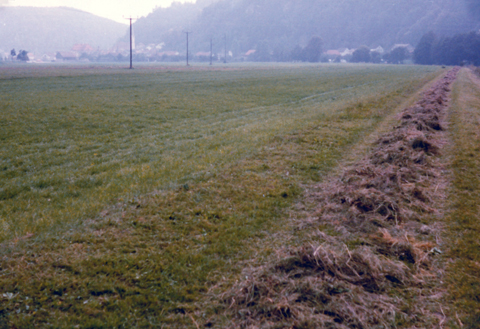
[[155, 53]]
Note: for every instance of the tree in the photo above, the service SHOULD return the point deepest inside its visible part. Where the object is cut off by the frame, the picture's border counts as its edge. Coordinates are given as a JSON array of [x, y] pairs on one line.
[[471, 48], [423, 52], [398, 55], [313, 50], [279, 54], [13, 52], [297, 54], [262, 53], [458, 50], [22, 55], [361, 55], [376, 57], [440, 51]]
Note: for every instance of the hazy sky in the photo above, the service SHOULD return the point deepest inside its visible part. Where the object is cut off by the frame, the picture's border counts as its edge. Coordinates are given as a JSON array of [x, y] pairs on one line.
[[113, 9]]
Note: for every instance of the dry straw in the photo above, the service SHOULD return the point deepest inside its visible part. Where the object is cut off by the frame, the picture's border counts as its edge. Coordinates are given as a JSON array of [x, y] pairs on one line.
[[376, 207]]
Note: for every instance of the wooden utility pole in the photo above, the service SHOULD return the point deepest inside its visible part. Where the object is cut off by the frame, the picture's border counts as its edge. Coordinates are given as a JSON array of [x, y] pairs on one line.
[[225, 59], [131, 42], [211, 47], [187, 33]]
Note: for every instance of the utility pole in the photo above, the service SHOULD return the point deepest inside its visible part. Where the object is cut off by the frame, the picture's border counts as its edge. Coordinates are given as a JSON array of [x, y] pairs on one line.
[[187, 33], [225, 59], [211, 47], [131, 41]]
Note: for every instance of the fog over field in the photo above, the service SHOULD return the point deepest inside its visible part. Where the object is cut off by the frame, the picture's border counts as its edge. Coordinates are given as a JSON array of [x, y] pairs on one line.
[[280, 25], [114, 10], [267, 30]]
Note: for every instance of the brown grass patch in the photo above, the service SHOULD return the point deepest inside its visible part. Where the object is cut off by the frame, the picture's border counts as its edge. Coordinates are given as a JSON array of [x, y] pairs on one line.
[[379, 254]]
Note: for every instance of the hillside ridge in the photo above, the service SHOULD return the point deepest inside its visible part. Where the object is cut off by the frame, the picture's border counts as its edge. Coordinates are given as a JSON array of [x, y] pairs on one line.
[[278, 26], [43, 30]]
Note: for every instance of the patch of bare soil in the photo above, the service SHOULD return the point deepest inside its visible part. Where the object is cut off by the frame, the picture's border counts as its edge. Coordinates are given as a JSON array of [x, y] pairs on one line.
[[376, 266]]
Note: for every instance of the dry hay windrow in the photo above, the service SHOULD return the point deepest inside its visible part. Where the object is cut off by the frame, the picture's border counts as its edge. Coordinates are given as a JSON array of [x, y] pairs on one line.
[[380, 245]]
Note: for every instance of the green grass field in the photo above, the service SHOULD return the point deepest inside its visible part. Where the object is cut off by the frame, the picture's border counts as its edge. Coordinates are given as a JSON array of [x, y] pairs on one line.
[[71, 146], [126, 195]]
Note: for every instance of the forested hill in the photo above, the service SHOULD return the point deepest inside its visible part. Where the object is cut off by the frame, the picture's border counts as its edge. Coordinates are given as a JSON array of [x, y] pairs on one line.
[[44, 30], [280, 25]]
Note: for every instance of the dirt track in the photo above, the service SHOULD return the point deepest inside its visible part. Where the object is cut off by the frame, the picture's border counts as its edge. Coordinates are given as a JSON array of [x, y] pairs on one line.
[[373, 268]]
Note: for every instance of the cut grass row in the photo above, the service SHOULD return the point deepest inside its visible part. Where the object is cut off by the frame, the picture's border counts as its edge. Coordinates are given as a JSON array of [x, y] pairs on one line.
[[463, 221], [146, 262]]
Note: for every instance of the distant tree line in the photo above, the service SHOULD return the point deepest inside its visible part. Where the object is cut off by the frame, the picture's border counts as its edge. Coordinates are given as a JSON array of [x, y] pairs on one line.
[[313, 53], [275, 27], [22, 55], [363, 54], [460, 49]]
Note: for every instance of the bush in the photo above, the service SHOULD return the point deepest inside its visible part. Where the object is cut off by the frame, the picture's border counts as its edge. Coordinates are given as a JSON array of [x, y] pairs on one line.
[[361, 55]]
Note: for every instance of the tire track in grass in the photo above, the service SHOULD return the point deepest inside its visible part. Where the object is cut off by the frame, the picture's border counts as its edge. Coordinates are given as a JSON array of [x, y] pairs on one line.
[[463, 222]]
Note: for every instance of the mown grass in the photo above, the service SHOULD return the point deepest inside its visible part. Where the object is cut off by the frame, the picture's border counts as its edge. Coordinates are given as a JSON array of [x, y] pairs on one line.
[[222, 155], [70, 145], [464, 219]]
